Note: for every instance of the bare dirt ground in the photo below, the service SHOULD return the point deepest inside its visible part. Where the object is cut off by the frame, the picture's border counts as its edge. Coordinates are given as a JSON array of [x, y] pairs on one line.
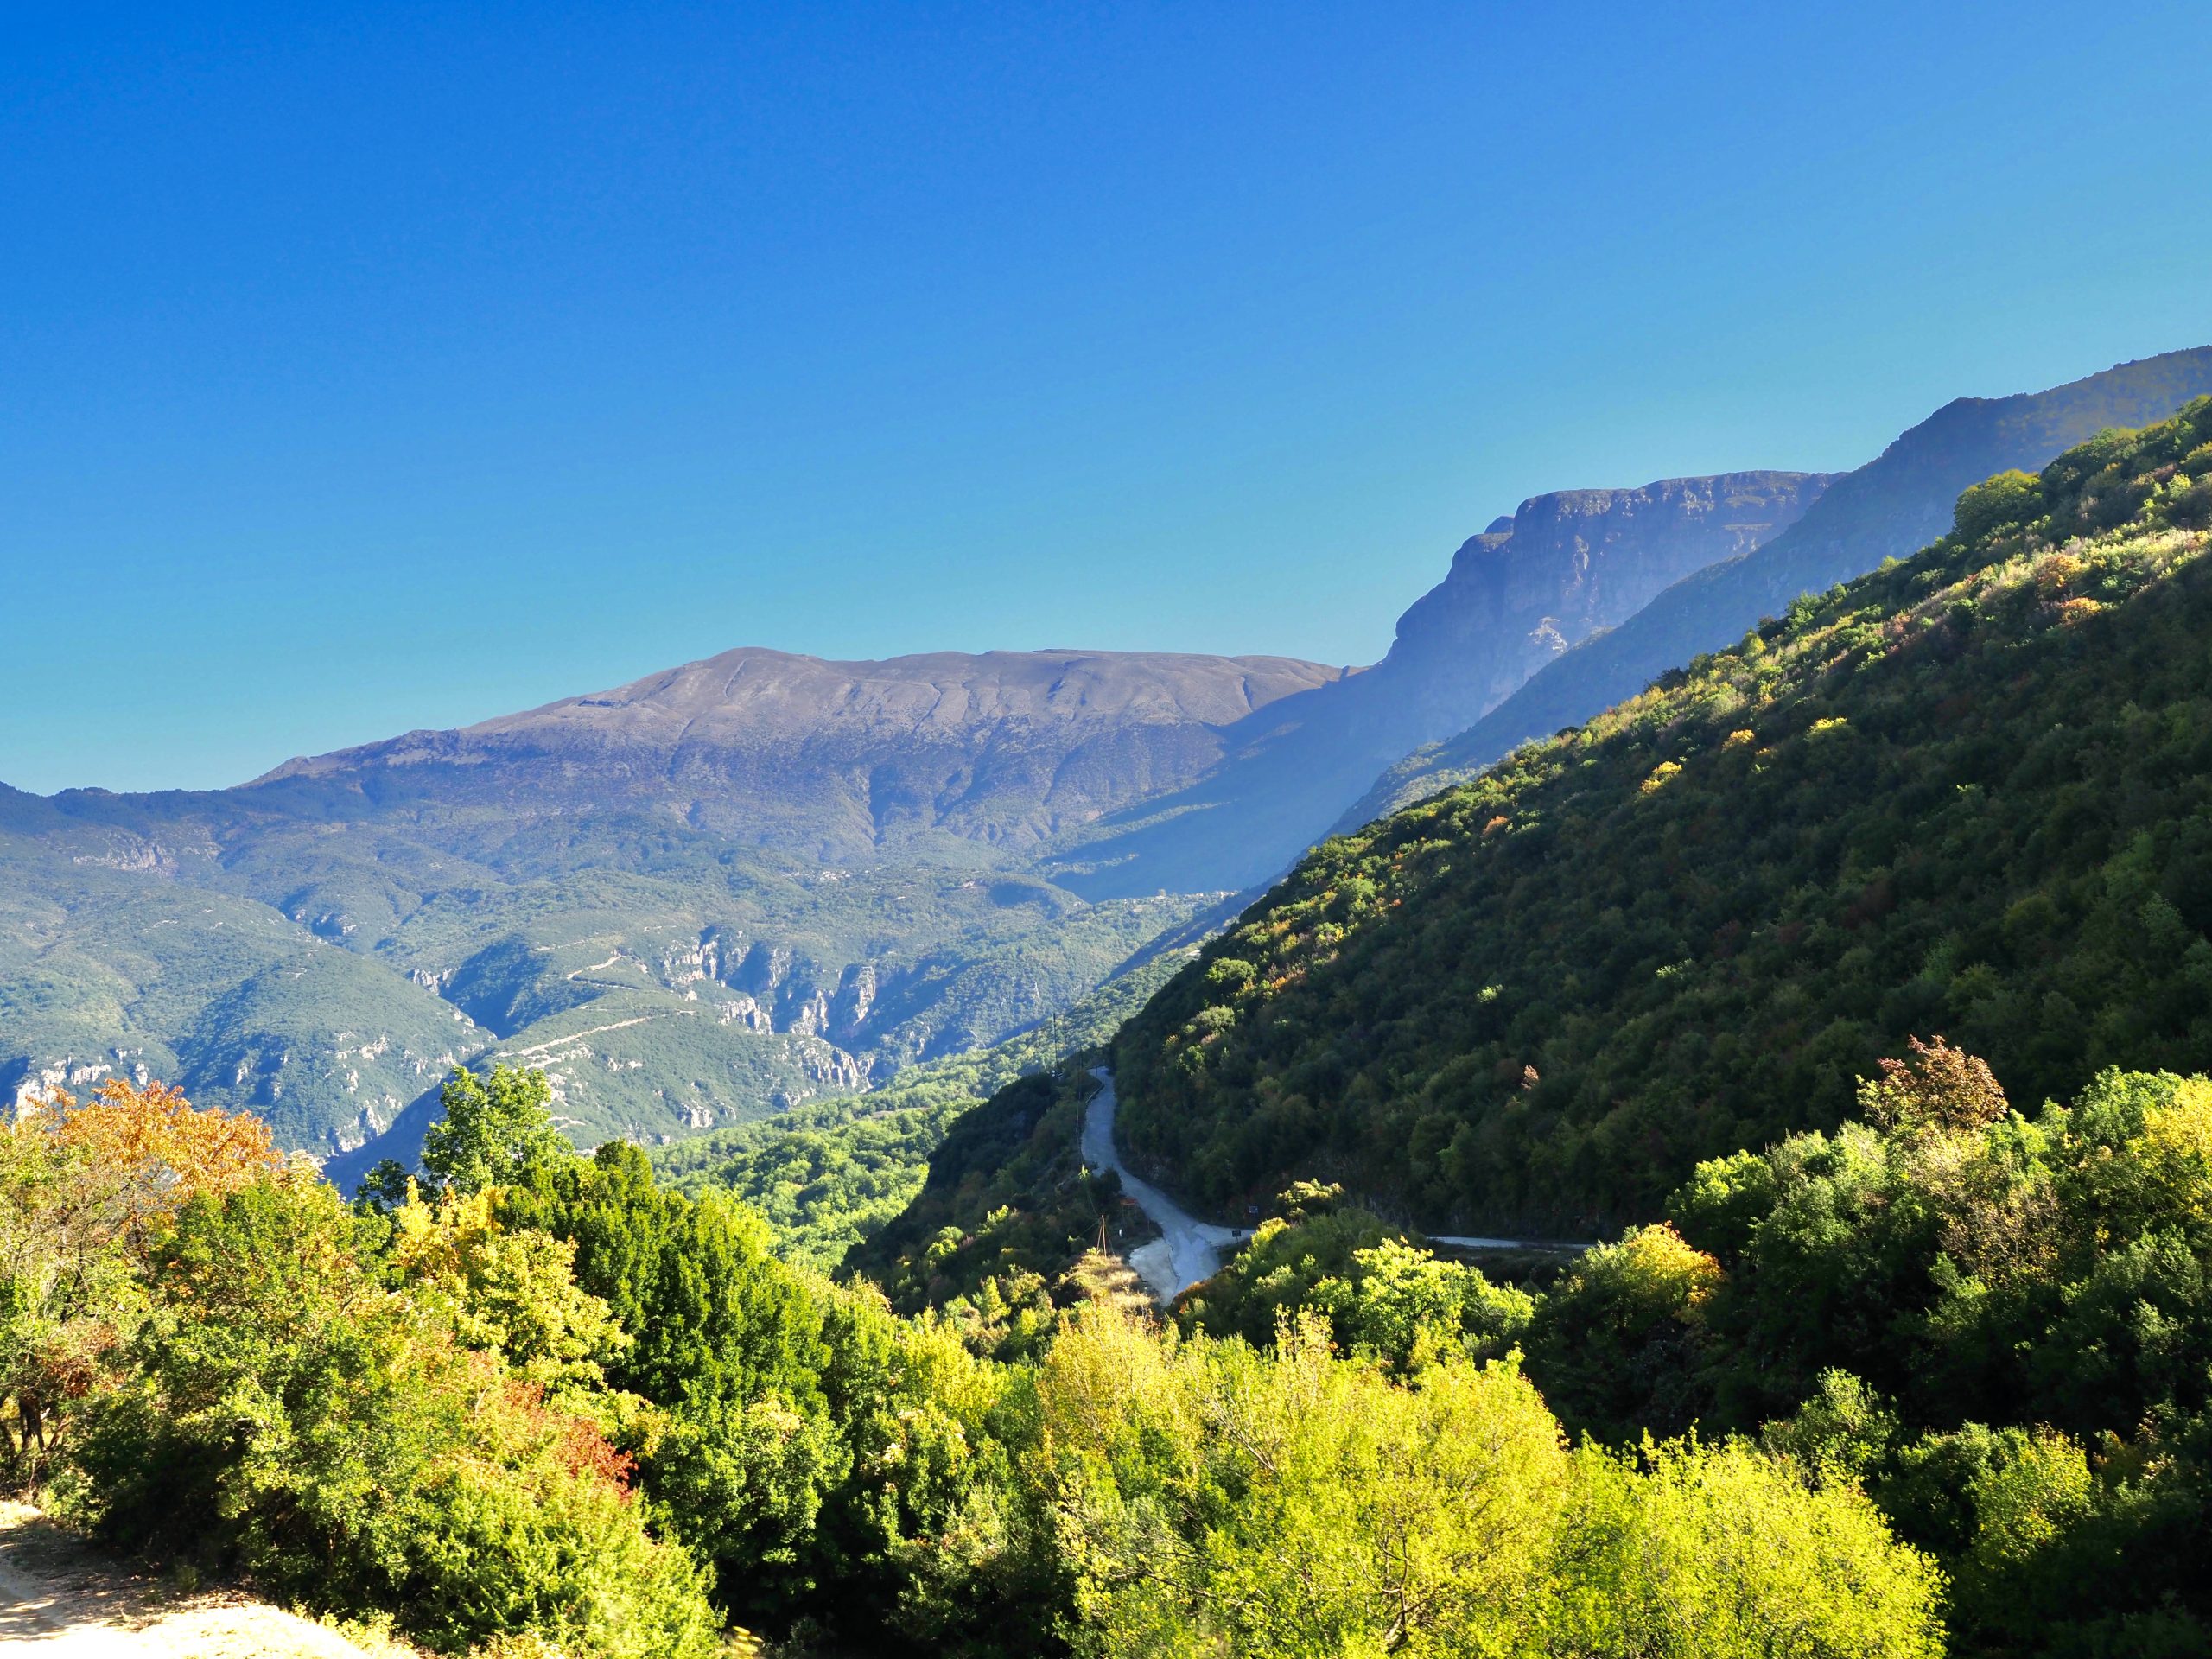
[[62, 1601]]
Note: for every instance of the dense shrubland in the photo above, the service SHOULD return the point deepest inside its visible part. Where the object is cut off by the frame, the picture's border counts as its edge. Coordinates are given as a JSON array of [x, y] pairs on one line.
[[835, 1173], [1999, 1327], [1971, 792], [538, 1395], [218, 1362], [1007, 1205], [1220, 1498], [1943, 1368]]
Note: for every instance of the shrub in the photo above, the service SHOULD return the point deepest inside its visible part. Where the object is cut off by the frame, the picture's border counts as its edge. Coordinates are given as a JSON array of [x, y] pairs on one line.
[[286, 1414]]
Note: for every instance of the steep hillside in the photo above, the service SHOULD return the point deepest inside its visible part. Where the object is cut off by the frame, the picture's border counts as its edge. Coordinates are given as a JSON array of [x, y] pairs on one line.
[[1897, 503], [1968, 794], [703, 985], [830, 1175], [1562, 567], [110, 966]]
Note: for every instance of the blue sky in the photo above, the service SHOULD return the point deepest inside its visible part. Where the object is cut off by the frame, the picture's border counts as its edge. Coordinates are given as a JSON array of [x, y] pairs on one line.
[[368, 368]]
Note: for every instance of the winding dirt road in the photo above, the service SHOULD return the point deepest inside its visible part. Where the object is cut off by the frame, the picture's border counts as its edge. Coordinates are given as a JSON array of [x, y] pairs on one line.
[[1188, 1250]]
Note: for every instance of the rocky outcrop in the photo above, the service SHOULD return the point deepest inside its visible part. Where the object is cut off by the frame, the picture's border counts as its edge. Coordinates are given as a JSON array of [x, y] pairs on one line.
[[1564, 566]]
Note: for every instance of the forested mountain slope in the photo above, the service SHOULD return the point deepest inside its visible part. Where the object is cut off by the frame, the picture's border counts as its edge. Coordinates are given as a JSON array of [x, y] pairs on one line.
[[1965, 794], [1897, 503]]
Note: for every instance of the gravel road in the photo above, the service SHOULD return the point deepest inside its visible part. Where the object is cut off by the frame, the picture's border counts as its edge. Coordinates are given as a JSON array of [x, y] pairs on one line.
[[1533, 1246], [1188, 1249]]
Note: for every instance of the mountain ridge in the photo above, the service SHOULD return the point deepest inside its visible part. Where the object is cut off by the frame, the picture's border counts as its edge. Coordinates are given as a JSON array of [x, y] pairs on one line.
[[721, 889], [1569, 561], [836, 758], [1962, 794], [1894, 505]]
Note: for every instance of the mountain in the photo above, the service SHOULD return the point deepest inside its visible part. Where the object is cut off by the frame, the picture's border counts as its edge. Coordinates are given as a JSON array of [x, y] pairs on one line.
[[749, 881], [1967, 794], [1564, 566], [832, 759], [1897, 503], [695, 899]]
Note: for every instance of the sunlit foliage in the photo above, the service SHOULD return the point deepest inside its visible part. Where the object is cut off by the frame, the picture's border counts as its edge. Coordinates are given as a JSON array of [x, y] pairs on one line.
[[1968, 793]]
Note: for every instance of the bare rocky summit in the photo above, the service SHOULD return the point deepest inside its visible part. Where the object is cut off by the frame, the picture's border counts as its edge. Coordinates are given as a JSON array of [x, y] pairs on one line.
[[837, 759]]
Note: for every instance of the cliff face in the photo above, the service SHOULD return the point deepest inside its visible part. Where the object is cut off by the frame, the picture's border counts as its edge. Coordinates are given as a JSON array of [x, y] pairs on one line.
[[1529, 587], [1890, 508], [1563, 567]]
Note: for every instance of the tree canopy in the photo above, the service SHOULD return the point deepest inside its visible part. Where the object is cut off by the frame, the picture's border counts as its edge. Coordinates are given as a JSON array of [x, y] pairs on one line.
[[1968, 793]]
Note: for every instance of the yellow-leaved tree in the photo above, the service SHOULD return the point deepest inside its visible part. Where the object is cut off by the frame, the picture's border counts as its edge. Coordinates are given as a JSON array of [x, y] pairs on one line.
[[83, 1185]]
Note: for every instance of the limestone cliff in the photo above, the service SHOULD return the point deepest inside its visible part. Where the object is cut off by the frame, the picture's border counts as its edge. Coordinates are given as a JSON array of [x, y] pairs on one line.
[[1564, 566], [1890, 508]]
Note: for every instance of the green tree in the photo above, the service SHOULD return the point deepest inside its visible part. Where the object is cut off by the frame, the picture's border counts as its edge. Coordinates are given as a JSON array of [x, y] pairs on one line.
[[510, 1291], [2005, 499], [1218, 1499], [1717, 1552], [287, 1413], [1619, 1345], [934, 1537], [494, 1128], [1408, 1307], [727, 1341]]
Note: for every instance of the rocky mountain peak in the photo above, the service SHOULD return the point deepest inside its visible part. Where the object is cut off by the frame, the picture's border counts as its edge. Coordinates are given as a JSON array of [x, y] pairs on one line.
[[835, 759], [1572, 562]]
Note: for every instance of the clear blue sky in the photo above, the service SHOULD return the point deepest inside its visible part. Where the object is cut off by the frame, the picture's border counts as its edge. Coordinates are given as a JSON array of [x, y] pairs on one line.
[[371, 368]]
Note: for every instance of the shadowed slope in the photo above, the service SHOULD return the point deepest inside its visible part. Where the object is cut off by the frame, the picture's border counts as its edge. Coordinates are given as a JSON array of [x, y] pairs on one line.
[[1517, 595]]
